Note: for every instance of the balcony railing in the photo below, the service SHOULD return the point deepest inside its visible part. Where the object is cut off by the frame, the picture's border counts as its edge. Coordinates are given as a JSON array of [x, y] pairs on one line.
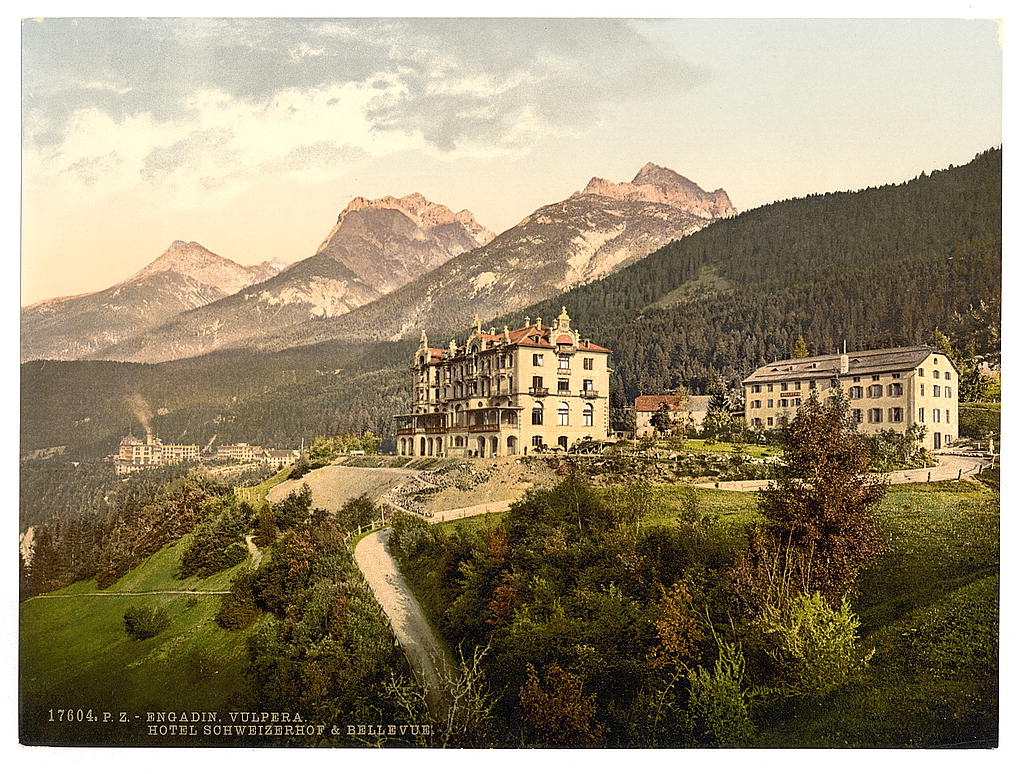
[[540, 392], [565, 371], [588, 393], [564, 393]]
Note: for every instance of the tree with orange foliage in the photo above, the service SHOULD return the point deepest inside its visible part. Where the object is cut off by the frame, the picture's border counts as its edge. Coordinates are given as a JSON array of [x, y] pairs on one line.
[[558, 713]]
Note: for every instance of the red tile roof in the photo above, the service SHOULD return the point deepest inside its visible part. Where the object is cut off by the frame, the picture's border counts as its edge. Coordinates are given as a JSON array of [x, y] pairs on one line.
[[654, 402]]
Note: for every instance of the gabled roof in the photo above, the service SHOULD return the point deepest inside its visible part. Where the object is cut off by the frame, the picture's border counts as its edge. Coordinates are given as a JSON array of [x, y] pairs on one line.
[[868, 361]]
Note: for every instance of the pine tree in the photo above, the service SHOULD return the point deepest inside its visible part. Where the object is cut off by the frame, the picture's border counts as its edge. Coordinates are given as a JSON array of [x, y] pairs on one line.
[[800, 348]]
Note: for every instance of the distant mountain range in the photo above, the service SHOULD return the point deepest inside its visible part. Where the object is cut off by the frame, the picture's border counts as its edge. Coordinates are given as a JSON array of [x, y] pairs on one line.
[[185, 276], [375, 246], [391, 267]]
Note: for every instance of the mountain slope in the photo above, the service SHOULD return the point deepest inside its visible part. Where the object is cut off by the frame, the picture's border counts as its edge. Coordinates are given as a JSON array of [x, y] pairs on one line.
[[594, 232], [184, 277], [376, 246], [874, 268]]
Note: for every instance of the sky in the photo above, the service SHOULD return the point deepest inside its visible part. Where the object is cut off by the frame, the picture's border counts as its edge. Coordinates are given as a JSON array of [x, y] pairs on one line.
[[251, 135]]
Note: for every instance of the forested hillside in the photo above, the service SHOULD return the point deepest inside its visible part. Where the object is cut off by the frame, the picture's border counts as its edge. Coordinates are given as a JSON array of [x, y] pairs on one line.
[[878, 267], [875, 268]]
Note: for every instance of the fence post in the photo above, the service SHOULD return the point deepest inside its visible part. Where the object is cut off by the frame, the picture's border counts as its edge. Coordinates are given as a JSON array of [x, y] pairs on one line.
[[959, 473], [929, 476]]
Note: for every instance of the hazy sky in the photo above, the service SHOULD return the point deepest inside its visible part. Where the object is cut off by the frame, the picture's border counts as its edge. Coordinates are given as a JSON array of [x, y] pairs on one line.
[[249, 136]]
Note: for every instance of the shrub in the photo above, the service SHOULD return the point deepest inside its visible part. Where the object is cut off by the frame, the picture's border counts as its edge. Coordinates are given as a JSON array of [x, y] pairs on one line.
[[141, 623], [238, 609], [813, 645], [717, 708]]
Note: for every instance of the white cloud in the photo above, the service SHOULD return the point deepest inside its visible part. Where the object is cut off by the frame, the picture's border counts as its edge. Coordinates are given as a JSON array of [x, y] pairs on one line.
[[219, 145]]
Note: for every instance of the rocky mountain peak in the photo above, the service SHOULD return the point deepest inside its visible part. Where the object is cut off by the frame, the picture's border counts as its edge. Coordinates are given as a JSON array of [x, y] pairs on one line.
[[662, 185]]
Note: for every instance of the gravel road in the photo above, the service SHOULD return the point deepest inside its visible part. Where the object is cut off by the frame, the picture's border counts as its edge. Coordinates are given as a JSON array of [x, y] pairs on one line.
[[424, 650]]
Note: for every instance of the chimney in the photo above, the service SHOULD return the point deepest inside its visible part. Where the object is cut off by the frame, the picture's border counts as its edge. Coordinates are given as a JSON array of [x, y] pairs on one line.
[[844, 360], [149, 438]]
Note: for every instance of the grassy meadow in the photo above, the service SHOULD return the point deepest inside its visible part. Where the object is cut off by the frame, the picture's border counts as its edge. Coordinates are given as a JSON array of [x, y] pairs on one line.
[[75, 654]]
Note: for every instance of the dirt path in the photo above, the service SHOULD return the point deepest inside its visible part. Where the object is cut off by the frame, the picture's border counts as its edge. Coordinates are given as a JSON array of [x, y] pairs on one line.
[[950, 467], [424, 650], [254, 552], [130, 594]]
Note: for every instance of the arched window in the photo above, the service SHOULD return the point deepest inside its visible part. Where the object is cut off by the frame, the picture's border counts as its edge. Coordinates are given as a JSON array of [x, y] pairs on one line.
[[588, 414], [563, 441], [538, 413], [563, 413], [537, 442]]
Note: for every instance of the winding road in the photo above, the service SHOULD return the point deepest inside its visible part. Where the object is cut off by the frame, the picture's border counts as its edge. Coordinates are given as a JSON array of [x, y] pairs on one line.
[[427, 655]]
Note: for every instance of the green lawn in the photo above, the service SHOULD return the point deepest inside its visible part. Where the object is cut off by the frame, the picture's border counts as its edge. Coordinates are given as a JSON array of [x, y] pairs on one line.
[[481, 523], [75, 654], [256, 494], [929, 608]]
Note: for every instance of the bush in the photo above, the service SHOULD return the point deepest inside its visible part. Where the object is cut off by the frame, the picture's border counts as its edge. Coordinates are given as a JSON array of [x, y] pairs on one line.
[[238, 609], [717, 708], [813, 645], [141, 623]]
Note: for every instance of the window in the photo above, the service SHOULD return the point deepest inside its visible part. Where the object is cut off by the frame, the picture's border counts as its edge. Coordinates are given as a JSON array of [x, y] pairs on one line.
[[936, 391], [537, 442], [920, 415], [563, 385], [896, 376], [756, 404], [949, 392], [784, 403], [538, 382], [949, 439], [563, 441], [948, 376], [856, 379], [936, 415], [858, 416], [876, 377], [588, 364], [538, 360], [856, 392], [875, 416], [771, 403], [920, 372], [935, 374], [796, 385], [757, 421], [588, 385], [770, 422], [588, 414], [875, 391], [563, 413], [947, 416], [771, 388], [922, 390], [538, 413], [756, 388], [796, 401], [895, 415], [563, 361], [783, 387], [895, 390]]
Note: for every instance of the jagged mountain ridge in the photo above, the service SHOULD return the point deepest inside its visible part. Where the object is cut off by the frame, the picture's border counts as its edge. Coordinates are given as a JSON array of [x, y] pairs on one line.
[[387, 242], [376, 246], [587, 236], [183, 277], [559, 246]]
